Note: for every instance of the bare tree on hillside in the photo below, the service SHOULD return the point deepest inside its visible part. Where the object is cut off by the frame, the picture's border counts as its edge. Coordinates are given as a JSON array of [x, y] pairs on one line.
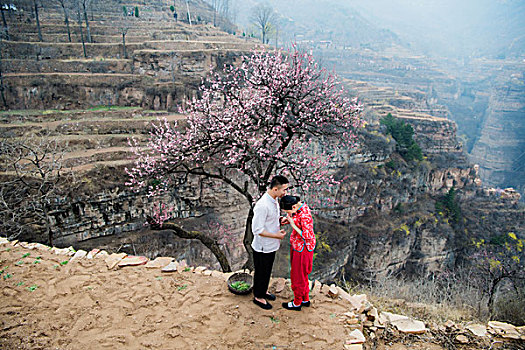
[[63, 4], [2, 86], [37, 17], [79, 21], [124, 25], [32, 168], [264, 17], [85, 5], [4, 22]]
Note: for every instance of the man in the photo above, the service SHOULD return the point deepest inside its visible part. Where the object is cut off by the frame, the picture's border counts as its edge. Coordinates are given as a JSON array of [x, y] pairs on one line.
[[267, 236]]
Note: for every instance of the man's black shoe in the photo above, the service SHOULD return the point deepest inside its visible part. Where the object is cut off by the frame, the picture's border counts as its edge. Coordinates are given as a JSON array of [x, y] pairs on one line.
[[266, 306], [305, 303], [270, 296], [291, 306]]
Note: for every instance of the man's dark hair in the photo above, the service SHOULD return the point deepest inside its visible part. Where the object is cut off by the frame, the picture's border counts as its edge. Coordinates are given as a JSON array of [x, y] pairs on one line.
[[278, 180]]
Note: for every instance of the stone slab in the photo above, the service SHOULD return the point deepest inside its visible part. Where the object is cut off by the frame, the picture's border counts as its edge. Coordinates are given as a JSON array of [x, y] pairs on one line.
[[171, 267], [355, 337], [505, 330], [92, 253], [278, 285], [478, 330], [79, 254], [113, 259], [159, 262], [133, 261], [409, 326]]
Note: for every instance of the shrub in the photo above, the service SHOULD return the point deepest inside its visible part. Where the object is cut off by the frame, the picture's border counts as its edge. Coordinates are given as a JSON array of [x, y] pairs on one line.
[[450, 207], [137, 11], [403, 133]]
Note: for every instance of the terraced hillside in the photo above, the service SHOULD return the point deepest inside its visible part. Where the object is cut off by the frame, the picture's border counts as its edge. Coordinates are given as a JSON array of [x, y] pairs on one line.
[[160, 64], [92, 105]]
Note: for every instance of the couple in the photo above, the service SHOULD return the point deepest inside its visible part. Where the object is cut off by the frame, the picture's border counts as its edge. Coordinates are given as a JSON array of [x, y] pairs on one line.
[[267, 236]]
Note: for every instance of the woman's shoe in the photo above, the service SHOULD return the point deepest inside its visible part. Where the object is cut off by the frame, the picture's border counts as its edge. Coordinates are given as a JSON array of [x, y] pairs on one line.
[[290, 306], [266, 306], [305, 303], [270, 296]]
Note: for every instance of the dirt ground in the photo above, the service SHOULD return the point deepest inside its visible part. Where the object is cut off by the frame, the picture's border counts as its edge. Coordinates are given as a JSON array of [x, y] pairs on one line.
[[49, 304]]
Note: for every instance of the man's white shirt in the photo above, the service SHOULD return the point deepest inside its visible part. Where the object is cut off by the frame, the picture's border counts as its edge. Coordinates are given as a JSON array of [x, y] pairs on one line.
[[266, 218]]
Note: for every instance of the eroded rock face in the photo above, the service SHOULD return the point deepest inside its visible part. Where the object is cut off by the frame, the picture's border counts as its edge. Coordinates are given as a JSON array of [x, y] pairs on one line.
[[499, 149]]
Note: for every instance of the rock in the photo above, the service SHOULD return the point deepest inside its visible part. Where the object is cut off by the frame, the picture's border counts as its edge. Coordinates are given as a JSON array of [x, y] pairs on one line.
[[478, 330], [372, 314], [278, 285], [4, 240], [216, 274], [324, 289], [356, 300], [342, 293], [14, 243], [409, 326], [133, 261], [505, 330], [92, 253], [368, 324], [102, 254], [352, 321], [60, 251], [171, 267], [317, 288], [365, 307], [41, 246], [80, 254], [353, 347], [113, 259], [182, 266], [333, 292], [207, 273], [199, 269], [462, 339], [355, 337], [449, 324], [387, 317], [159, 263], [378, 324]]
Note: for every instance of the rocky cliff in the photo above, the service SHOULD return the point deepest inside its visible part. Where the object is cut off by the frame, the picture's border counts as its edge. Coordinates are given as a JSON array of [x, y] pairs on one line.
[[384, 220]]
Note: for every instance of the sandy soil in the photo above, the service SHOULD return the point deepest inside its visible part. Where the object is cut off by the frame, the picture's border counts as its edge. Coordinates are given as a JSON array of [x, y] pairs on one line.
[[48, 304], [83, 305]]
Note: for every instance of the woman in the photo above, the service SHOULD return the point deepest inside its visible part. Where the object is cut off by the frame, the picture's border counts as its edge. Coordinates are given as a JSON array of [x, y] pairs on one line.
[[302, 242]]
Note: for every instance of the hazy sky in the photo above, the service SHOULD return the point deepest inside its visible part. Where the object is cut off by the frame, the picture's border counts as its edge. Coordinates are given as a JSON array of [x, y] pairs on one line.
[[457, 26]]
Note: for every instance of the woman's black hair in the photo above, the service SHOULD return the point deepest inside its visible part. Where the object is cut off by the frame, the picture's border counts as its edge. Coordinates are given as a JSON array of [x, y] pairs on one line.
[[288, 201]]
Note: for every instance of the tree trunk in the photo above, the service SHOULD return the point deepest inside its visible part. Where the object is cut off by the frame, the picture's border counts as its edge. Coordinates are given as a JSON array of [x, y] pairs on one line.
[[48, 226], [124, 45], [66, 21], [210, 243], [492, 296], [247, 241], [38, 21], [81, 33], [88, 32], [2, 87], [4, 21]]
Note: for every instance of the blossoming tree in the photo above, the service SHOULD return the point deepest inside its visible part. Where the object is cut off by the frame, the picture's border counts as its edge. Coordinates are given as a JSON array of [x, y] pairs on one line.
[[276, 112]]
